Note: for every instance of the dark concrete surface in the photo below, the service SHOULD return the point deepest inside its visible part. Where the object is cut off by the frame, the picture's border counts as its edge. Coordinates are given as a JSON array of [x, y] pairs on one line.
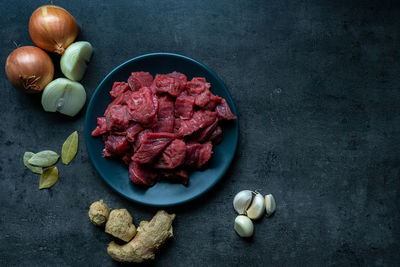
[[316, 85]]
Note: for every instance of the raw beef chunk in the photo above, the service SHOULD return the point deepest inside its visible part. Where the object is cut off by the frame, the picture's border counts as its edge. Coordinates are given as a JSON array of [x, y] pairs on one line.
[[173, 83], [224, 112], [101, 127], [173, 156], [140, 174], [143, 106], [197, 86], [178, 175], [184, 106], [199, 120], [116, 145], [140, 79], [216, 136], [198, 154], [152, 145], [117, 118], [118, 89], [132, 131], [165, 115], [140, 137], [204, 134]]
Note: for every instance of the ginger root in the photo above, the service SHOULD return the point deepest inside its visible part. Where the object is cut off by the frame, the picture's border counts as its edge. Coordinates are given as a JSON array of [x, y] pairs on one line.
[[98, 213], [150, 236], [120, 225]]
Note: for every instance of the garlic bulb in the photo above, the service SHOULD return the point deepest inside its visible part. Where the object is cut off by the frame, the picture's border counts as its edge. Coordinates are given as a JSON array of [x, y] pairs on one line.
[[64, 96], [242, 201], [257, 207], [270, 204], [243, 226], [73, 61]]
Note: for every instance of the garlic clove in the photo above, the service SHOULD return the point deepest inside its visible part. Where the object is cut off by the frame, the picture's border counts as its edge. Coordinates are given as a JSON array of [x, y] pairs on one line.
[[270, 205], [242, 201], [244, 226], [257, 207], [73, 61], [64, 96]]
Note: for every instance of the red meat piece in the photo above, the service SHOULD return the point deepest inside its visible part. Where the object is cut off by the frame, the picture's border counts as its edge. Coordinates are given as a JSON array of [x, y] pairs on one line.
[[216, 136], [118, 89], [152, 145], [199, 120], [143, 106], [198, 154], [177, 125], [132, 131], [172, 83], [197, 86], [178, 175], [165, 115], [140, 79], [200, 89], [115, 145], [140, 137], [205, 133], [173, 156], [101, 127], [117, 118], [141, 175], [184, 106], [224, 112]]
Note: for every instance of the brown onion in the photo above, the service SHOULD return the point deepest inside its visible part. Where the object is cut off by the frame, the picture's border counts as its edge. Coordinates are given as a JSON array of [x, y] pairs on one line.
[[29, 69], [52, 28]]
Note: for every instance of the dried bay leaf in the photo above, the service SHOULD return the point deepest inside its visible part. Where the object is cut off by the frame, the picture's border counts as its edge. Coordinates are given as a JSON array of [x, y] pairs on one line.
[[69, 148], [35, 169], [44, 158], [49, 177]]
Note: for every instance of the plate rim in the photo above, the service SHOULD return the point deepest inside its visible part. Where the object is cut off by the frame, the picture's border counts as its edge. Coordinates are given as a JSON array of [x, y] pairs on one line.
[[87, 132]]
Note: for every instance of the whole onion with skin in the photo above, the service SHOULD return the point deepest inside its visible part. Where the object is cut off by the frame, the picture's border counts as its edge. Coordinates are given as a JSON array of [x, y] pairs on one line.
[[52, 28], [29, 69]]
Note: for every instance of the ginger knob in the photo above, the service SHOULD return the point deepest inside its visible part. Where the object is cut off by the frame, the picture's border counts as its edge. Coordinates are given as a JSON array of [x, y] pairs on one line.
[[98, 213]]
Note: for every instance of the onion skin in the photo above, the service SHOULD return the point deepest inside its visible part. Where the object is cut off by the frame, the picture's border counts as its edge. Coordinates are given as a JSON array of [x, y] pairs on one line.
[[52, 28], [29, 69]]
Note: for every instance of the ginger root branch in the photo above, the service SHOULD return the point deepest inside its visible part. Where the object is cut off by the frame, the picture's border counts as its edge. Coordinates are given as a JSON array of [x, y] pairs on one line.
[[150, 236]]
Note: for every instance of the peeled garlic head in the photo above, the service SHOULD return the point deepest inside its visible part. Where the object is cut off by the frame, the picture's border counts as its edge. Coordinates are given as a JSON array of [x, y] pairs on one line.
[[73, 61], [257, 207], [243, 226], [242, 201], [64, 96], [270, 205]]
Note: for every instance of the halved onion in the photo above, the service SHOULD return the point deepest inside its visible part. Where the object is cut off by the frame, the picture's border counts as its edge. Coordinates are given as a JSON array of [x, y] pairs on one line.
[[52, 28], [64, 96], [29, 69], [73, 62]]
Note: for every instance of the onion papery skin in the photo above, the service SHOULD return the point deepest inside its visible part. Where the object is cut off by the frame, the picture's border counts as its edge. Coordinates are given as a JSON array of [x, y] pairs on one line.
[[52, 28], [29, 69]]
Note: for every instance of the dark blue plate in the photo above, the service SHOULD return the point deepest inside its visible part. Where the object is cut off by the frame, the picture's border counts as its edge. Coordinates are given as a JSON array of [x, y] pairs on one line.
[[115, 173]]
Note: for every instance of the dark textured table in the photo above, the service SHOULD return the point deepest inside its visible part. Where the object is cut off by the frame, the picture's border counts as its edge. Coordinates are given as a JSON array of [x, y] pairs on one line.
[[316, 85]]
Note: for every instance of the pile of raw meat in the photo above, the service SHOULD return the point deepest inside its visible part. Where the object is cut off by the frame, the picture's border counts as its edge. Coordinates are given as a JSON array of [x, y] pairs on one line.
[[162, 127]]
